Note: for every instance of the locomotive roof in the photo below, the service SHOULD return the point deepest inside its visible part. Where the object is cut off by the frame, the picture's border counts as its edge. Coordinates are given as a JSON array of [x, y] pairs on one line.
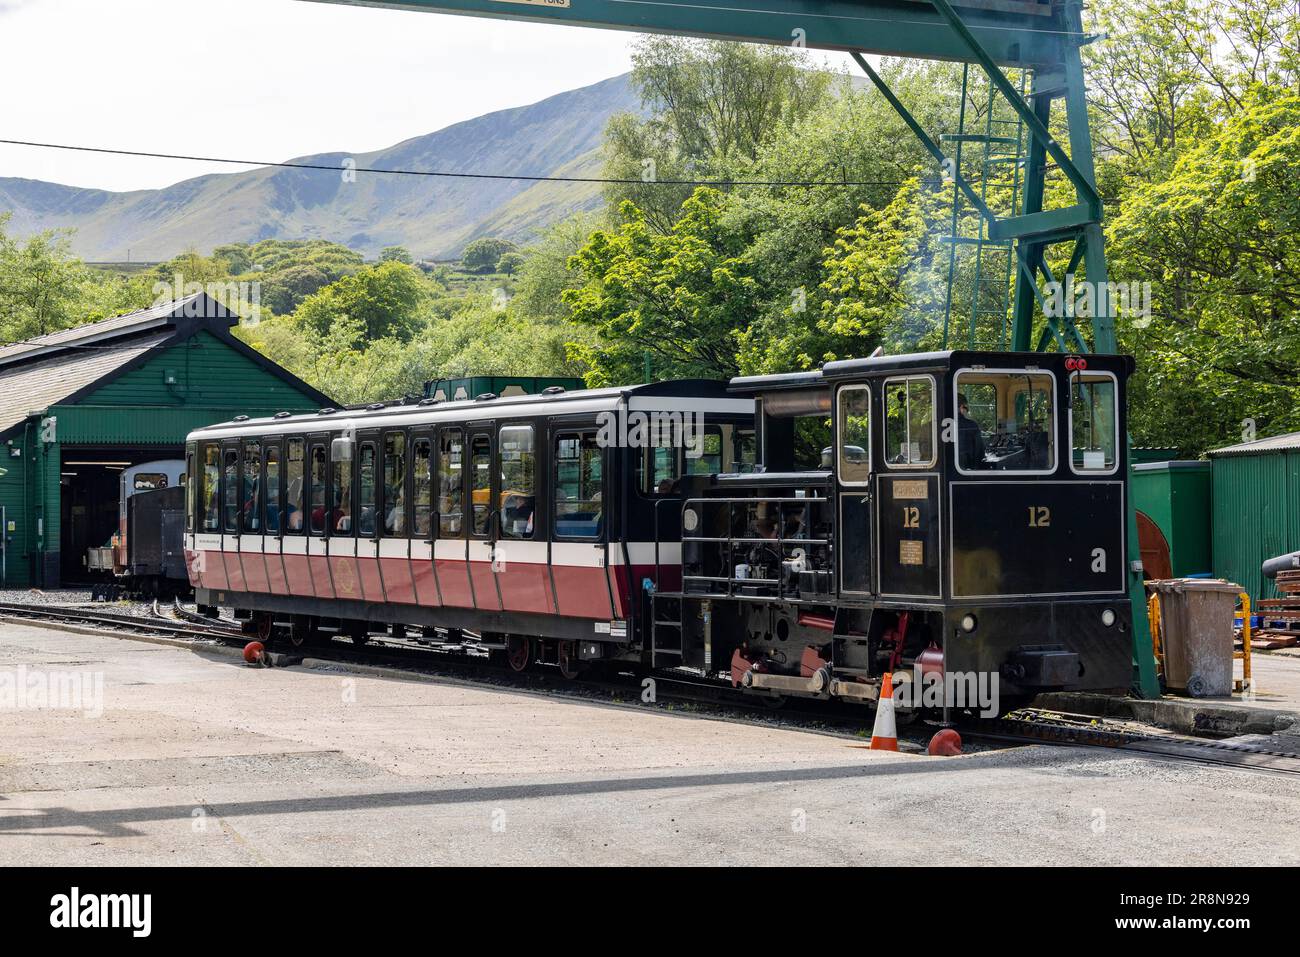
[[949, 359], [659, 395]]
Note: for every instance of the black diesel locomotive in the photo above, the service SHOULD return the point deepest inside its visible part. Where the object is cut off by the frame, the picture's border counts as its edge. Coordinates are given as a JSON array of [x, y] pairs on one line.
[[968, 520], [952, 514]]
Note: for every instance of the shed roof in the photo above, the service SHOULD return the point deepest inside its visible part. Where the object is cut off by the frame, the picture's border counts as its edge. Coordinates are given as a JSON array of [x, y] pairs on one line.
[[32, 387], [63, 365], [1276, 443]]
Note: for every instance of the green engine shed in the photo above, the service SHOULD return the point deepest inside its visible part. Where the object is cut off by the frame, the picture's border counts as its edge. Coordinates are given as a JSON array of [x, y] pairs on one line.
[[80, 405]]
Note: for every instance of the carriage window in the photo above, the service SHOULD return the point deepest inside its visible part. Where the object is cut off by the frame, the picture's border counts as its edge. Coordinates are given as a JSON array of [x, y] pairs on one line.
[[1094, 422], [480, 477], [293, 478], [341, 497], [366, 498], [252, 487], [211, 479], [230, 484], [451, 484], [854, 435], [395, 483], [1005, 422], [272, 520], [909, 422], [518, 481], [578, 507], [189, 491], [423, 481], [318, 489]]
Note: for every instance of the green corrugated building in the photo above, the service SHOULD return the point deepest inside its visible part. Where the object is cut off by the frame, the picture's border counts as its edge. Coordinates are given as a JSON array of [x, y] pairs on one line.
[[79, 405], [1256, 508]]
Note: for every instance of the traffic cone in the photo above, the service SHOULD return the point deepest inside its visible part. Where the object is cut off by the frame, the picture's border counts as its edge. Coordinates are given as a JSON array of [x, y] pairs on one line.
[[884, 736]]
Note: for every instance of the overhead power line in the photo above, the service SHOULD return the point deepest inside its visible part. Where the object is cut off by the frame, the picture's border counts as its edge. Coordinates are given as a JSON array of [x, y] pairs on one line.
[[794, 184]]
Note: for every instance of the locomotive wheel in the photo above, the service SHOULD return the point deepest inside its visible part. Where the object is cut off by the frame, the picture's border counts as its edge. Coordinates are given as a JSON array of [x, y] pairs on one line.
[[519, 653], [358, 631], [265, 627], [567, 658]]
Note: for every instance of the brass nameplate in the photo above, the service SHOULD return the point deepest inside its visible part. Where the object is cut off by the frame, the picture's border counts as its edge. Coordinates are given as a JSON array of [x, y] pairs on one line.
[[912, 488], [911, 553]]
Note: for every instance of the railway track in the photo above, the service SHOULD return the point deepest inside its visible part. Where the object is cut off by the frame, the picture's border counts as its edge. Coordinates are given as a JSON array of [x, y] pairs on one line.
[[1024, 727]]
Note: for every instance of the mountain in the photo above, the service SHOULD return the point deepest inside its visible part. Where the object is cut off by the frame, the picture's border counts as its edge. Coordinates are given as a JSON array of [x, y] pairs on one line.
[[434, 217]]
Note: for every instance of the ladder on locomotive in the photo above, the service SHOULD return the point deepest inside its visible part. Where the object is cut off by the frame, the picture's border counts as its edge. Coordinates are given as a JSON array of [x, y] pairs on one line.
[[1001, 144]]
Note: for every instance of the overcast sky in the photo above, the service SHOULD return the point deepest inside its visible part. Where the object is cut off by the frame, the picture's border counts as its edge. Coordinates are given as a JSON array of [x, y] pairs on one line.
[[260, 79]]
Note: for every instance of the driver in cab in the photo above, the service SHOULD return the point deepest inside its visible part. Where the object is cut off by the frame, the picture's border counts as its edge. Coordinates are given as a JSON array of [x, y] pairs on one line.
[[970, 441]]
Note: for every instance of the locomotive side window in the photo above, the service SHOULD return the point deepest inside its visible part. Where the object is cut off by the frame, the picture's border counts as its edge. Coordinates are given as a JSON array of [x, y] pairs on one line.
[[1005, 422], [1094, 422], [909, 422], [480, 479], [451, 484], [518, 481], [252, 494], [853, 428], [211, 480], [366, 498], [230, 485], [422, 479], [395, 483], [272, 519], [317, 482], [578, 507], [293, 479]]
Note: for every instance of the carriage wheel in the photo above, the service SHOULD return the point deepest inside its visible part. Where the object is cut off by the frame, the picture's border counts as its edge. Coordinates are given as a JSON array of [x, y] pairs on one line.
[[301, 632], [567, 658], [358, 631], [519, 653]]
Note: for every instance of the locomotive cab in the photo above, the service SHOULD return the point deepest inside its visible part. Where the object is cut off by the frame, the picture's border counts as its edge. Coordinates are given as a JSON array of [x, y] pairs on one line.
[[963, 526]]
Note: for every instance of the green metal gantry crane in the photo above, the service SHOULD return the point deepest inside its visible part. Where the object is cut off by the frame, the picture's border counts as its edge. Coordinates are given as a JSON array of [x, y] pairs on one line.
[[1038, 40]]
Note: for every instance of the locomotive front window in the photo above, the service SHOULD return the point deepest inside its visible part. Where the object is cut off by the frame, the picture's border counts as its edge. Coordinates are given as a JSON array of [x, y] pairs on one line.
[[578, 507], [518, 481], [854, 435], [148, 481], [1094, 422], [1005, 422], [211, 480], [909, 422], [704, 454]]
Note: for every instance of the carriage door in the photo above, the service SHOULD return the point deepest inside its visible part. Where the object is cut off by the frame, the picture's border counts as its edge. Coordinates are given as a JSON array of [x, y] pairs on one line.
[[853, 485]]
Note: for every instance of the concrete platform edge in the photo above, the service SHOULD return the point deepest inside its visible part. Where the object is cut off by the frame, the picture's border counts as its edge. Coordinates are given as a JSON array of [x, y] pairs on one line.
[[1183, 715]]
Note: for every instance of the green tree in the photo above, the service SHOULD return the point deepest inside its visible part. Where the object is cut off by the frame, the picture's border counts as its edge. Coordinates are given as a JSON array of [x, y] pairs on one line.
[[396, 254], [41, 284], [510, 263], [1218, 242], [482, 255], [385, 300], [713, 105], [683, 297]]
